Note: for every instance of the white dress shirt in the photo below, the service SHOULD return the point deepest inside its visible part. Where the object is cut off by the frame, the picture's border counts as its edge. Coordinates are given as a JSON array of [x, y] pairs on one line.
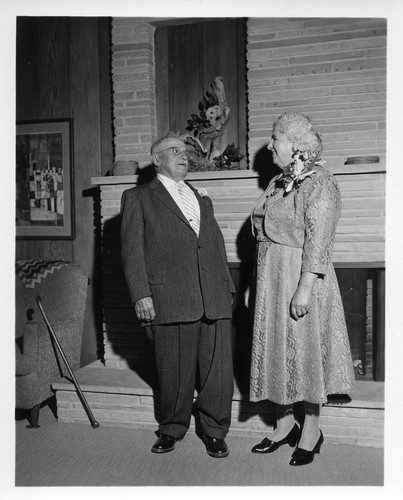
[[172, 188]]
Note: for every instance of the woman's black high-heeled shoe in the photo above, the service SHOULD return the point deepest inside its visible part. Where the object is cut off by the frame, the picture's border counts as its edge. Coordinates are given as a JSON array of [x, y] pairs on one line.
[[268, 446], [304, 457]]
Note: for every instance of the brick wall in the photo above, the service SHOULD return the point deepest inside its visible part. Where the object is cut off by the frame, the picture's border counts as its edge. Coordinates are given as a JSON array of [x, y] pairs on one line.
[[133, 89], [333, 70]]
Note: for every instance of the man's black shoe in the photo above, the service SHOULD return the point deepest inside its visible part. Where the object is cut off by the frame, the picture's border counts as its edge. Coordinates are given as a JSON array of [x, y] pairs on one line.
[[164, 444], [215, 447]]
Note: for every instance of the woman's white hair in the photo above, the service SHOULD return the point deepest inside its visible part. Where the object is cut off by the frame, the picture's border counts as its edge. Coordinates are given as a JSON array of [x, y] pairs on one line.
[[299, 130]]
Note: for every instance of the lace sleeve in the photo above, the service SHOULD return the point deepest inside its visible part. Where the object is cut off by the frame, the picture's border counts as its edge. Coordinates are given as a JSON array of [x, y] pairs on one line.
[[322, 207]]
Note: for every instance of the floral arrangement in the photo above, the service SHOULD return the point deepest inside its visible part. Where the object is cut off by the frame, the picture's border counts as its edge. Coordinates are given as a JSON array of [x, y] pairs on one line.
[[198, 123], [230, 155], [198, 157], [208, 128]]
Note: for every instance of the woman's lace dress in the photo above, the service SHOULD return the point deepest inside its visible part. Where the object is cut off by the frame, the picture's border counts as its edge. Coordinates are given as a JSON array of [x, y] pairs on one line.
[[308, 359]]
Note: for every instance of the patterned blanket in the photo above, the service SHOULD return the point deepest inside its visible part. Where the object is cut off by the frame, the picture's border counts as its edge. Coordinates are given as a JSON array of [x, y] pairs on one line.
[[32, 272]]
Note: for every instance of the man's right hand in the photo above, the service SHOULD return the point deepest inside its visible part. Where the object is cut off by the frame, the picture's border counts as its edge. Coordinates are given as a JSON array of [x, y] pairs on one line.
[[144, 308]]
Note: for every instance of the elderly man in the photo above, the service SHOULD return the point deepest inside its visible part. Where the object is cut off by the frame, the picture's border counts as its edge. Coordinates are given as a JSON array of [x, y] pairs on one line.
[[177, 274]]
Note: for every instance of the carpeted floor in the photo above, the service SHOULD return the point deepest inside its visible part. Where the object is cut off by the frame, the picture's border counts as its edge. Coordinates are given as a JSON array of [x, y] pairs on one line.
[[59, 454]]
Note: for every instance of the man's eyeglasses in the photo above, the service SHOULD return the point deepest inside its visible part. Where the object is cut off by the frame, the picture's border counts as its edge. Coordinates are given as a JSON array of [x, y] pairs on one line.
[[176, 151]]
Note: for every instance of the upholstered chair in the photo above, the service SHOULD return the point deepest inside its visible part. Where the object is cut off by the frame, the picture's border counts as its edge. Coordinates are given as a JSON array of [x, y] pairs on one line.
[[63, 289]]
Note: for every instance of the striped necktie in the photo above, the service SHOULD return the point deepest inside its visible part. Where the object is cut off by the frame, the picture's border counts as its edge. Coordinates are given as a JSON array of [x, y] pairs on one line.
[[190, 210]]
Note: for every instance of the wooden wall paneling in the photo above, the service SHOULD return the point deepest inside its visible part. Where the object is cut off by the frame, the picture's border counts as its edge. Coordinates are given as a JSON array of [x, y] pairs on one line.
[[162, 80], [57, 250], [53, 67], [29, 249], [185, 81], [105, 92], [85, 108], [241, 78], [53, 97], [62, 72], [27, 55], [85, 98], [188, 58], [44, 250], [42, 94], [221, 58]]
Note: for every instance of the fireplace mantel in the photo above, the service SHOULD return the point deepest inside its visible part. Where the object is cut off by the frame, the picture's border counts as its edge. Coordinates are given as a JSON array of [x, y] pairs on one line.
[[360, 236], [192, 176]]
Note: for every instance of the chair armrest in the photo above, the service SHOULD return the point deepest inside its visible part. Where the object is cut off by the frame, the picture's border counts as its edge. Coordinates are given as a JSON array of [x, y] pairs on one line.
[[37, 342], [30, 338], [24, 363], [25, 351], [45, 358]]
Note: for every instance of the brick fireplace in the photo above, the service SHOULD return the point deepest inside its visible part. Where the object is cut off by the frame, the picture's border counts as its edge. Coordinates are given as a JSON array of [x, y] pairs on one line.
[[334, 71], [233, 194]]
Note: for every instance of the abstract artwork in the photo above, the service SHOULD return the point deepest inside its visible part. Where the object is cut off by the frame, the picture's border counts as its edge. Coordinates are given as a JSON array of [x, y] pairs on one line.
[[44, 180]]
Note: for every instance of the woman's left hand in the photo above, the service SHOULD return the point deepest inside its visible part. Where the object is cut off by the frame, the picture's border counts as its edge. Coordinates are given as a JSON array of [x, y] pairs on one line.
[[301, 299]]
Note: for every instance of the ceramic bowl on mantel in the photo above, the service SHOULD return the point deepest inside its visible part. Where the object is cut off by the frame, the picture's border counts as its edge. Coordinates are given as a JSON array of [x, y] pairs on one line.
[[124, 168], [358, 160]]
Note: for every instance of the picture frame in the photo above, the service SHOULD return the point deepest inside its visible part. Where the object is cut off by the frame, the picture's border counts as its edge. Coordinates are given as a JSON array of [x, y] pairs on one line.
[[44, 180]]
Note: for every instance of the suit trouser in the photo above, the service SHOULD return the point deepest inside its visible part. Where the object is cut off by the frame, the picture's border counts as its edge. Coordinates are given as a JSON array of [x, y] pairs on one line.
[[183, 350]]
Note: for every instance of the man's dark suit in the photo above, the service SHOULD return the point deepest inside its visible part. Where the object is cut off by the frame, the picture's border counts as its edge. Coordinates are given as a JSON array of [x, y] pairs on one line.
[[189, 281]]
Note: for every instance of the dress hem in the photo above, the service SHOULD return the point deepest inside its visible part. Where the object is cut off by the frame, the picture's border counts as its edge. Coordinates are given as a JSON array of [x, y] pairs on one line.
[[294, 401]]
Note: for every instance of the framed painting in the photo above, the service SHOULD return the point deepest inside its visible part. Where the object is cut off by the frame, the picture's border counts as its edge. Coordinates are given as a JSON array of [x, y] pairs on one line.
[[44, 180]]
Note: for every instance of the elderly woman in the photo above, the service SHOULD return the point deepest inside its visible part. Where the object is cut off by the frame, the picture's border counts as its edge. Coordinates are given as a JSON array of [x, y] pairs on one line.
[[301, 351]]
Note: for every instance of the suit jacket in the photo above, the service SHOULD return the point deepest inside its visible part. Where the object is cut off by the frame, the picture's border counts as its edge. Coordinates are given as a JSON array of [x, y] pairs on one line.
[[186, 276]]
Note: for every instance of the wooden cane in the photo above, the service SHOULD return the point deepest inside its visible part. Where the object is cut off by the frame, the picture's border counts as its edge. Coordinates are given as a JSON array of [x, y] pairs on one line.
[[80, 394]]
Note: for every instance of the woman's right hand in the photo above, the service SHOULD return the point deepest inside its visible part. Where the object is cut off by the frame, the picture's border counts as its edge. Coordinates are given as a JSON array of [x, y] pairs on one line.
[[299, 304]]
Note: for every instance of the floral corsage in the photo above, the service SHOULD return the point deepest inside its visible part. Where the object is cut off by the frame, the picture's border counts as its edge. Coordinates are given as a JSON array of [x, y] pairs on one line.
[[298, 170], [202, 192]]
